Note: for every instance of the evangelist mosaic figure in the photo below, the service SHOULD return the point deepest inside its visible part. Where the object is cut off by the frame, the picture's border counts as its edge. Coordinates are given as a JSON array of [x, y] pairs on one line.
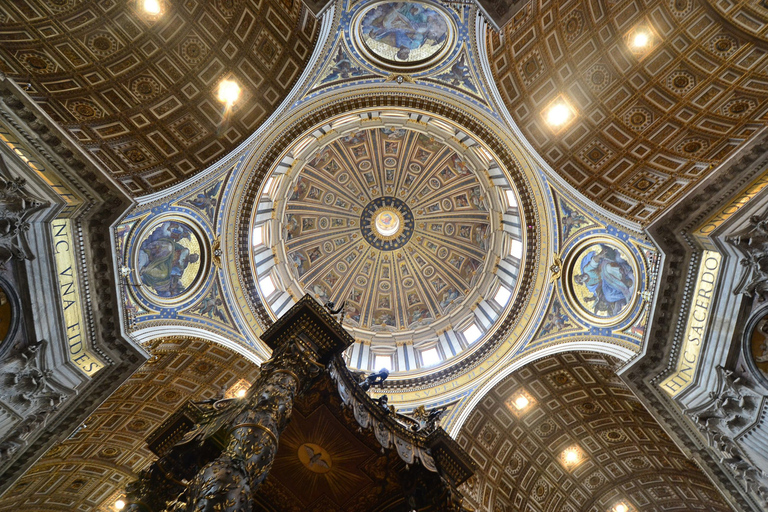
[[609, 277], [404, 31], [169, 259]]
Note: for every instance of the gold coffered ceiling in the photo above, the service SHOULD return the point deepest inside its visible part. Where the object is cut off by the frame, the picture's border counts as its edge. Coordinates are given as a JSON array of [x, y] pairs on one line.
[[139, 93], [576, 402], [649, 126], [90, 469]]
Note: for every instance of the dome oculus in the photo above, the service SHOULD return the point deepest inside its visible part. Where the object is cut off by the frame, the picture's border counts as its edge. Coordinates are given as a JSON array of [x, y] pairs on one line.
[[387, 223]]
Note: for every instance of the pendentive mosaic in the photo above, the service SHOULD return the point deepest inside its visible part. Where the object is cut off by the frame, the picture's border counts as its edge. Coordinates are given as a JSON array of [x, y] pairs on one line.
[[169, 259], [404, 34], [601, 280]]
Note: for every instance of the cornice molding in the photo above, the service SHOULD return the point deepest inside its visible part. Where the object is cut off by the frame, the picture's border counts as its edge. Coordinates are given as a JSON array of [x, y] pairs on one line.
[[106, 203], [672, 235]]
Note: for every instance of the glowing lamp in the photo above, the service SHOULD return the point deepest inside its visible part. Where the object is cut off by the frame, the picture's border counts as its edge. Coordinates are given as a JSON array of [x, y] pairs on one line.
[[571, 457], [229, 92], [521, 402], [151, 7], [641, 39], [558, 114]]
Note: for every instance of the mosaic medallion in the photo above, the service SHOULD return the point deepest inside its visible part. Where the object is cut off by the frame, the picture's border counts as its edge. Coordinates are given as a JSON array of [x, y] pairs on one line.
[[387, 223], [404, 33], [602, 280], [169, 259]]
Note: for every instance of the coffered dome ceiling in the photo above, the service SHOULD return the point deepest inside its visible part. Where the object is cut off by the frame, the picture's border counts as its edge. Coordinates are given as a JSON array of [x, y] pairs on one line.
[[746, 15], [575, 403], [96, 462], [138, 92], [649, 125], [404, 223]]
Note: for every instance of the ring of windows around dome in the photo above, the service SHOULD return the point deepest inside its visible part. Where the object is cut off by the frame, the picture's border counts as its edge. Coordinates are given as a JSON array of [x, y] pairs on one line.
[[441, 286]]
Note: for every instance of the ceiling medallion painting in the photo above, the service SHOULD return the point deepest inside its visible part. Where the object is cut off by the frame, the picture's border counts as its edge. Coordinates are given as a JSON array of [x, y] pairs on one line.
[[169, 259], [602, 280], [315, 458], [404, 34], [404, 227]]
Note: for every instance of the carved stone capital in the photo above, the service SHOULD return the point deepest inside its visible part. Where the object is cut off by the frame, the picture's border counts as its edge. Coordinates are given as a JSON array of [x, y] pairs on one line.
[[31, 392], [752, 243], [729, 411]]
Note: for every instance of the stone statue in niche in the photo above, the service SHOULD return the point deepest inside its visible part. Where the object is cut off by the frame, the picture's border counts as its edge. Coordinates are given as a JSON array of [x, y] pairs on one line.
[[728, 413], [16, 209], [752, 243]]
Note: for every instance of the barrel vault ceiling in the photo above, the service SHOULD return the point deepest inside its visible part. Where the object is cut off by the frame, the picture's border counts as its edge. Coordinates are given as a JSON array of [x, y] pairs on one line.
[[89, 470], [576, 400], [648, 126], [139, 93]]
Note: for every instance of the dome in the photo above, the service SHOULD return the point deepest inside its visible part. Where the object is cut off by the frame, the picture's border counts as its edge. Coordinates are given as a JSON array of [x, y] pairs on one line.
[[403, 222]]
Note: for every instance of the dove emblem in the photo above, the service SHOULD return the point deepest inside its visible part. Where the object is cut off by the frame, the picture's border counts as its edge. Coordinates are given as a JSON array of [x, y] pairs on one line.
[[314, 458]]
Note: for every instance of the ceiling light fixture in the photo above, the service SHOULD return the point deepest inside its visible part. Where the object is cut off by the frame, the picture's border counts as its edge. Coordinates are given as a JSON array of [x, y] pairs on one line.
[[520, 403], [571, 457], [559, 114], [238, 390], [641, 39], [119, 505], [621, 507], [152, 7], [229, 92]]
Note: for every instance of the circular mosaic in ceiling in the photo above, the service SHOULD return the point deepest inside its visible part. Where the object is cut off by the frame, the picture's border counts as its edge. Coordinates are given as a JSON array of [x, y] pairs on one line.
[[404, 34], [602, 280], [169, 259], [402, 224]]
